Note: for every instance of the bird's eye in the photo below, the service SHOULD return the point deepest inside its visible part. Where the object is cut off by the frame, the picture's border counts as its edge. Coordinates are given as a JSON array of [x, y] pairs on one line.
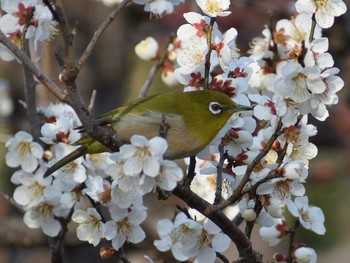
[[215, 108]]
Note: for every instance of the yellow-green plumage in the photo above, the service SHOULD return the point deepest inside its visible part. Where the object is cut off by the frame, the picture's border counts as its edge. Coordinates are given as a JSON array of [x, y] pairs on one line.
[[186, 120]]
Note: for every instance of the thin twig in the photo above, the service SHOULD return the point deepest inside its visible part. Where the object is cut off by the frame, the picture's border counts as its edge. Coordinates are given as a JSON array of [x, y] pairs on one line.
[[207, 58], [107, 137], [157, 65], [291, 241], [238, 191], [98, 33], [92, 100], [28, 63], [56, 243], [68, 38], [149, 79], [30, 97], [313, 27]]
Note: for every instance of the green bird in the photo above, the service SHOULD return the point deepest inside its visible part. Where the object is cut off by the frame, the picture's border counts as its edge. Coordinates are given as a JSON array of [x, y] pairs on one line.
[[188, 121]]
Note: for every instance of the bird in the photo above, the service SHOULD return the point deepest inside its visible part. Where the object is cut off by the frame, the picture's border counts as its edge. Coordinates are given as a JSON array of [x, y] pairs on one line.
[[188, 121]]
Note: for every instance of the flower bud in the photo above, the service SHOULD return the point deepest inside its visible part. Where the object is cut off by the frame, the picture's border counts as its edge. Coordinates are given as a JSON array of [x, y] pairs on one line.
[[147, 49], [249, 215], [279, 257], [107, 252], [305, 255], [168, 77]]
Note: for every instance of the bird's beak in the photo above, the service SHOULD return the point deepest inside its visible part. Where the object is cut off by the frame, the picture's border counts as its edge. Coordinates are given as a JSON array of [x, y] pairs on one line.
[[238, 108]]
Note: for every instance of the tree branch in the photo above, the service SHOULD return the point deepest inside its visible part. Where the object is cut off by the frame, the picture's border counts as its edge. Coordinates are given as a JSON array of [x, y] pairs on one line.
[[243, 244], [238, 191], [30, 95], [159, 63], [207, 58], [30, 66]]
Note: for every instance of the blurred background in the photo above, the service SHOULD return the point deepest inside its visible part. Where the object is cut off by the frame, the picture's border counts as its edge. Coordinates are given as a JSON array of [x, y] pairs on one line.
[[117, 75]]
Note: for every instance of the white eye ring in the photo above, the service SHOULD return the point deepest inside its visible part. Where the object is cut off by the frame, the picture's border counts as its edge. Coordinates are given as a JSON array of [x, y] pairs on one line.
[[215, 107]]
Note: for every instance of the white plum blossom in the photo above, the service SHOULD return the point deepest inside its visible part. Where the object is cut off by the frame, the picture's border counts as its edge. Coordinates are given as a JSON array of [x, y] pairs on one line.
[[197, 26], [22, 151], [290, 182], [211, 240], [44, 216], [169, 174], [291, 33], [245, 72], [305, 255], [97, 164], [214, 8], [144, 156], [191, 57], [317, 103], [317, 54], [90, 227], [274, 234], [265, 108], [41, 26], [324, 10], [125, 224], [178, 236], [260, 46], [31, 189], [226, 47], [74, 170], [159, 7], [310, 217], [123, 198], [60, 131], [98, 189], [55, 110], [147, 49], [298, 83]]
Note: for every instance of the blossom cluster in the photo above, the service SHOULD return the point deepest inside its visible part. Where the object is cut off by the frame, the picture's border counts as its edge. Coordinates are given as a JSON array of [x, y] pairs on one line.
[[25, 19], [115, 180], [288, 75]]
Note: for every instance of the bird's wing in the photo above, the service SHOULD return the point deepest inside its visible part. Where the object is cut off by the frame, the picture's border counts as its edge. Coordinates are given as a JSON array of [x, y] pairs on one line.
[[116, 114]]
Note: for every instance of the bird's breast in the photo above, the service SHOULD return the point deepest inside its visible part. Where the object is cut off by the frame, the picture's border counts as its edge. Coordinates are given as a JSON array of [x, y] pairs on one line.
[[181, 142]]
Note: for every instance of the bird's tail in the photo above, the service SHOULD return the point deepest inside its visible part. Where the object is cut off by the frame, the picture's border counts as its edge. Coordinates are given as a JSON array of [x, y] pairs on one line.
[[82, 150]]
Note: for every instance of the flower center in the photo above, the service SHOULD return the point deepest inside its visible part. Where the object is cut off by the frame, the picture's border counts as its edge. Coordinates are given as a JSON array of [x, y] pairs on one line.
[[304, 216], [321, 4], [24, 148], [37, 189], [213, 6], [205, 239], [106, 195], [45, 210], [282, 188], [124, 226]]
